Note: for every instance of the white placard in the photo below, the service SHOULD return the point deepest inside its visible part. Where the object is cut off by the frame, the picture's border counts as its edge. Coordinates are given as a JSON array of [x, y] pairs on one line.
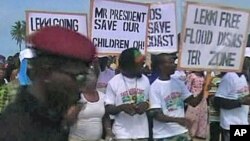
[[162, 36], [214, 38], [76, 22], [118, 25]]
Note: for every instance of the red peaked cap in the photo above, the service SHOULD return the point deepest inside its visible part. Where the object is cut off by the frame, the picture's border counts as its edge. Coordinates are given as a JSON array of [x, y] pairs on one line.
[[61, 41]]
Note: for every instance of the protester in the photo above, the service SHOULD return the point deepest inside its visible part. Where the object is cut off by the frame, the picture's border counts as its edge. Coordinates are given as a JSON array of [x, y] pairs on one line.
[[127, 96], [13, 68], [3, 89], [198, 114], [2, 59], [3, 79], [92, 119], [12, 86], [106, 74], [167, 97], [232, 98], [8, 93], [48, 105], [2, 74]]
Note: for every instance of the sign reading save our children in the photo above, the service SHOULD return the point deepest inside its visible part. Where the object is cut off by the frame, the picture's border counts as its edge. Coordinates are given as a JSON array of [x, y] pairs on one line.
[[37, 19], [162, 28], [118, 25], [214, 38]]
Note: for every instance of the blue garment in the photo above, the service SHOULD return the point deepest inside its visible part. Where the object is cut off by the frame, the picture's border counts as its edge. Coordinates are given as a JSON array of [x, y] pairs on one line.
[[23, 77], [154, 75]]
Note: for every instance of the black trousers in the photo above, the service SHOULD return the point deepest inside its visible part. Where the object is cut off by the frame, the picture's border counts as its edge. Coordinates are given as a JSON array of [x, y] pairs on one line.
[[215, 131], [225, 135]]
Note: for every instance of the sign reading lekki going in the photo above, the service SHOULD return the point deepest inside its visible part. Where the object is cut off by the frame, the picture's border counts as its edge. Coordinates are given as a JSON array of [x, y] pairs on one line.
[[37, 19]]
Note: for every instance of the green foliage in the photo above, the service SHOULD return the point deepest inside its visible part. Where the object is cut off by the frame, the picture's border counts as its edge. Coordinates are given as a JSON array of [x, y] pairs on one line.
[[18, 32]]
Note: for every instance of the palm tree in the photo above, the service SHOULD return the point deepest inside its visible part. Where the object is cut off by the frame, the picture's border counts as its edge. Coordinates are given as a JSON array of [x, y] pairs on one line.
[[18, 32]]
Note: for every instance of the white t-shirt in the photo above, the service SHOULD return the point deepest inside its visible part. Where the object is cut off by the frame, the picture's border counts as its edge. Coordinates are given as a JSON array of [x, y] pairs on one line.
[[233, 87], [169, 96], [89, 123], [104, 78], [131, 91]]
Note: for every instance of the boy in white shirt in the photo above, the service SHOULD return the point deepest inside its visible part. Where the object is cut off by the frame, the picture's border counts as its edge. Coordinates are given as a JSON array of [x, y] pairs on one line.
[[126, 98], [167, 97]]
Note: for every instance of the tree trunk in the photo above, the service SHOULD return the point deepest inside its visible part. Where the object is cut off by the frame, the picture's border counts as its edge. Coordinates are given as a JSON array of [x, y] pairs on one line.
[[20, 47]]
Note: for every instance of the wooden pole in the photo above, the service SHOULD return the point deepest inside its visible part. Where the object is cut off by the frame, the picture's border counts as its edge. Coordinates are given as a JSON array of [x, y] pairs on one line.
[[207, 83]]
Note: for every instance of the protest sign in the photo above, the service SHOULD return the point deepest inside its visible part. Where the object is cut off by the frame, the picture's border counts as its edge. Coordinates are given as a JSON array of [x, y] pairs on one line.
[[213, 38], [162, 35], [118, 25], [38, 19]]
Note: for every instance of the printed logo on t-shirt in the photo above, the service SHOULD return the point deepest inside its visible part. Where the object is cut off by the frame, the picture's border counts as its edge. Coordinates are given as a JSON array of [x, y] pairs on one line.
[[173, 101], [133, 96]]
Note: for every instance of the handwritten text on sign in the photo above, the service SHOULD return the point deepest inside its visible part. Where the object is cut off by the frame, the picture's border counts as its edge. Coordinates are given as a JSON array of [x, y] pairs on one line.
[[162, 28], [214, 38], [118, 25], [75, 22]]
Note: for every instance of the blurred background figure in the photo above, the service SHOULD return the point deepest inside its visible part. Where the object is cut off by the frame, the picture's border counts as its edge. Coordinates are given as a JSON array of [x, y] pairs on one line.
[[13, 64], [3, 80], [106, 73], [2, 59], [232, 99], [199, 114]]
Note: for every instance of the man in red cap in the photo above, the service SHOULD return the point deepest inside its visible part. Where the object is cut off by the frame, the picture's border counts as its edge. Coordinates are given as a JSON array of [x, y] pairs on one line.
[[47, 105]]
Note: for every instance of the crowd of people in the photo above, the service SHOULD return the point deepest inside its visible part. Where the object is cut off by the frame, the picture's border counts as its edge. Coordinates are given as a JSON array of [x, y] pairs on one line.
[[8, 79], [67, 93]]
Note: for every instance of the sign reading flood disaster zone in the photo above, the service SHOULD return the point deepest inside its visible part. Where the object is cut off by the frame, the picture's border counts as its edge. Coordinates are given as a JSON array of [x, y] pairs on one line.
[[162, 35], [75, 22], [214, 38], [118, 25]]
